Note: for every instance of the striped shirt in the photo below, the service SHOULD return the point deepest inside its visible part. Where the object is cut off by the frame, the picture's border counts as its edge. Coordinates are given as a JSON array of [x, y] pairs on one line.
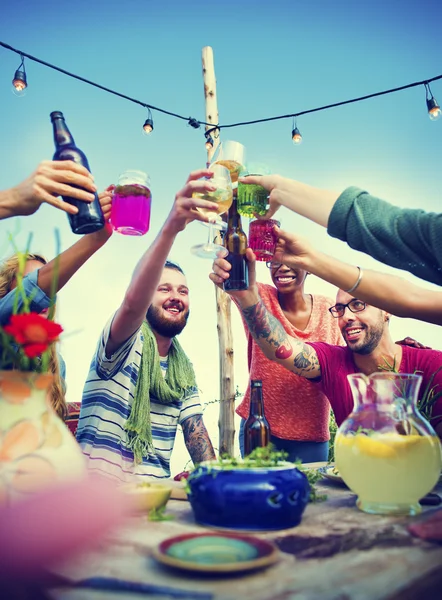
[[106, 404]]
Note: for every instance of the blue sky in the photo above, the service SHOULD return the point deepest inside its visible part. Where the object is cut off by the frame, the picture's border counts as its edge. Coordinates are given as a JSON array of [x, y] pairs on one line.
[[272, 58]]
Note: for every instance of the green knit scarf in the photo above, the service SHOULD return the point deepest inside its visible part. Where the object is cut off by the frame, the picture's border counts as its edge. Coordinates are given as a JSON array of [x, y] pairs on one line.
[[179, 378]]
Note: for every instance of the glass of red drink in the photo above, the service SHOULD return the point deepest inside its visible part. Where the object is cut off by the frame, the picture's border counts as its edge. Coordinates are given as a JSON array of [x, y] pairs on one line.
[[262, 238], [130, 214]]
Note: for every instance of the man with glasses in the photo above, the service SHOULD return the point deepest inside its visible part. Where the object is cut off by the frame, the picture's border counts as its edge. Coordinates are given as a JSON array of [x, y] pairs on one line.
[[297, 410], [369, 346]]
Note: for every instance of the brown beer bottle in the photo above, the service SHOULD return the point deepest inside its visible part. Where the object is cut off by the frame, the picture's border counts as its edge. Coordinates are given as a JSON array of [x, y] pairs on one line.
[[235, 240], [89, 217], [256, 427]]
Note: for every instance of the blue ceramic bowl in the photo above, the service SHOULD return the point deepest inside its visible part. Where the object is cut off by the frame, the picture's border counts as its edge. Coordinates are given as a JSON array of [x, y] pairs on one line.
[[259, 499]]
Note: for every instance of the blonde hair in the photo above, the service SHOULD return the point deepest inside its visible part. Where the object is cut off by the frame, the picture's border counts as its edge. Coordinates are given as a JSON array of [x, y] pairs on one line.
[[8, 271]]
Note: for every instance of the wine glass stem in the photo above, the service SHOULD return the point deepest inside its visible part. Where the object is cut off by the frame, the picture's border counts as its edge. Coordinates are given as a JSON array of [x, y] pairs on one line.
[[210, 239]]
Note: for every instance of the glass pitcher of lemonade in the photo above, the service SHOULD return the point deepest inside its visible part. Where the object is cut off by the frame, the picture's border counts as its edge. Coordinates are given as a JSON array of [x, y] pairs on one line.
[[385, 451]]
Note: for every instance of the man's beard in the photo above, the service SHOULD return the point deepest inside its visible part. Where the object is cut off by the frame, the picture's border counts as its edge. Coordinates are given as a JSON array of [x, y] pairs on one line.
[[164, 326], [371, 339]]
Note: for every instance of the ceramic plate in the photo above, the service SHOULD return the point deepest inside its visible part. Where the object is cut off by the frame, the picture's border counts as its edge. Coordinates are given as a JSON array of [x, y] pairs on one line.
[[216, 553], [331, 472]]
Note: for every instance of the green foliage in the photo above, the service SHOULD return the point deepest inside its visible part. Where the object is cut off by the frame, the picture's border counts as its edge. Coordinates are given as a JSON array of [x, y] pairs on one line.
[[12, 355], [364, 431], [430, 395], [333, 428], [387, 366], [313, 477], [157, 514], [260, 458]]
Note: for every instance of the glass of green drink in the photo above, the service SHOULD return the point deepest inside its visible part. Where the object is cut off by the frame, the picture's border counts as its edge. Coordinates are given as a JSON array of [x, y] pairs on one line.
[[252, 199]]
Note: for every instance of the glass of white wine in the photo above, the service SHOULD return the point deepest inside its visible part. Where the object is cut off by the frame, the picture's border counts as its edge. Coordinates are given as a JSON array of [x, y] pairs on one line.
[[223, 196], [231, 155]]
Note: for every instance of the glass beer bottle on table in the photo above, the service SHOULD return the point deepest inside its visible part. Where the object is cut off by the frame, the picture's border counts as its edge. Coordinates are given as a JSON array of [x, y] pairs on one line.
[[256, 427], [89, 217], [223, 198]]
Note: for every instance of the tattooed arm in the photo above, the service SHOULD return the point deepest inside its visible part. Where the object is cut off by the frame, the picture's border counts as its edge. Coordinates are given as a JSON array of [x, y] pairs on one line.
[[268, 332], [197, 439], [278, 345]]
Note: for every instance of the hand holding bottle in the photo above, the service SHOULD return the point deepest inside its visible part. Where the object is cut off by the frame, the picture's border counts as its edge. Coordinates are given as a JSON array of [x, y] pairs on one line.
[[50, 180], [105, 198], [221, 272], [89, 217], [235, 241]]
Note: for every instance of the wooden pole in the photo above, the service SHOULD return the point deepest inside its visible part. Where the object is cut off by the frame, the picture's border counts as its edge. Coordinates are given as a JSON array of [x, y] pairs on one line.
[[226, 423], [211, 102]]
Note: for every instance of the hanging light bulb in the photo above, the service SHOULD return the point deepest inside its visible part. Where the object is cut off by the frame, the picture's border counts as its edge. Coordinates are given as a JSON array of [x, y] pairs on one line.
[[148, 124], [433, 107], [296, 136], [434, 111], [209, 141], [19, 83]]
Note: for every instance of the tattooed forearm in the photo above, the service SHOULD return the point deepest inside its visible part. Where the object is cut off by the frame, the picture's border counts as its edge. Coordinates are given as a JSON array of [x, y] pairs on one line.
[[306, 363], [263, 325], [276, 343], [197, 440]]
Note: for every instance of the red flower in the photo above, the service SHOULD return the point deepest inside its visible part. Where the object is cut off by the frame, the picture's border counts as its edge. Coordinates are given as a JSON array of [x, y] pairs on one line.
[[33, 332]]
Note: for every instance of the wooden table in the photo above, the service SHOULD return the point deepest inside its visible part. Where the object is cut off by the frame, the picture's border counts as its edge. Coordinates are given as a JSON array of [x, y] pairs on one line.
[[336, 553]]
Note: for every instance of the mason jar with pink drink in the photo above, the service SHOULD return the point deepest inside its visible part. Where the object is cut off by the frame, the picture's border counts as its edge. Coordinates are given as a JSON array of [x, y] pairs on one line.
[[262, 238], [130, 214]]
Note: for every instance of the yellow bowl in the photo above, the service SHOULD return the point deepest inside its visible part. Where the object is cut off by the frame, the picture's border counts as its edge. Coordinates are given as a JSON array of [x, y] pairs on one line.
[[147, 496]]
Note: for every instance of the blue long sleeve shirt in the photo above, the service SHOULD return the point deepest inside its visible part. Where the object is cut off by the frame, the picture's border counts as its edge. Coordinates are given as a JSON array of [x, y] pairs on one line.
[[408, 239], [39, 302]]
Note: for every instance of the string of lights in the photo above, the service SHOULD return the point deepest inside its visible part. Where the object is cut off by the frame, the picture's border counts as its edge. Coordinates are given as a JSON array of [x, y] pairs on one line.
[[20, 85]]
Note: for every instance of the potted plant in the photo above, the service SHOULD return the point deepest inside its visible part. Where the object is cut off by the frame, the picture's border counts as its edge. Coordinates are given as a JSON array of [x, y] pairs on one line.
[[258, 493], [36, 448]]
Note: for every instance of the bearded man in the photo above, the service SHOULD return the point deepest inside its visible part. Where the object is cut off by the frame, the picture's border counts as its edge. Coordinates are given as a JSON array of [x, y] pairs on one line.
[[141, 384], [369, 345]]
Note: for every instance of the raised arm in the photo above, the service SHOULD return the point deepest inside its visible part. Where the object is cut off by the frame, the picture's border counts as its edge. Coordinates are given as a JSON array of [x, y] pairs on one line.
[[50, 180], [38, 284], [268, 332], [407, 239], [314, 203], [70, 261], [138, 297], [387, 292]]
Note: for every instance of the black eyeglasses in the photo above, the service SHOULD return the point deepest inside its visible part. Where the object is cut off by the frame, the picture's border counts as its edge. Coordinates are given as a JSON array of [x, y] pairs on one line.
[[354, 306], [273, 265]]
